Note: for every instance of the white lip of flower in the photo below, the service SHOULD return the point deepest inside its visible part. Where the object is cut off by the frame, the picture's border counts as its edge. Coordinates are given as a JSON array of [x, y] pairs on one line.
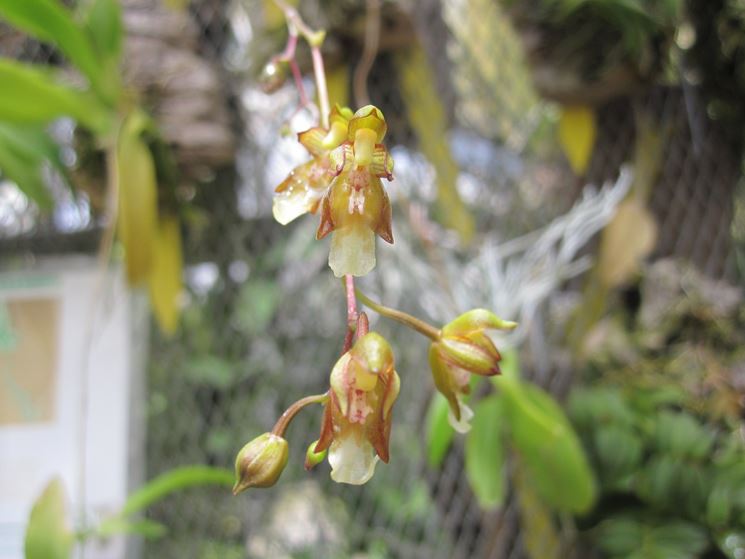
[[466, 414], [352, 461], [352, 250]]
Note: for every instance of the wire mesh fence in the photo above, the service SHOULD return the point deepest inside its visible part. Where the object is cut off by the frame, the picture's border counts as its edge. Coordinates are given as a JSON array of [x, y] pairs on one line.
[[261, 326]]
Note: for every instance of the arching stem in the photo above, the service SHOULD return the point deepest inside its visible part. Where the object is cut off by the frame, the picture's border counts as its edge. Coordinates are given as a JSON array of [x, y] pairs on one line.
[[284, 420], [411, 321]]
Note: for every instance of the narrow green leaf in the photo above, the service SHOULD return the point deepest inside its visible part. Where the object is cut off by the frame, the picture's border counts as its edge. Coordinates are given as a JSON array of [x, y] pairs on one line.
[[175, 480], [30, 95], [484, 452], [50, 21], [549, 447], [23, 167], [439, 431], [47, 534], [103, 23], [143, 527], [619, 536]]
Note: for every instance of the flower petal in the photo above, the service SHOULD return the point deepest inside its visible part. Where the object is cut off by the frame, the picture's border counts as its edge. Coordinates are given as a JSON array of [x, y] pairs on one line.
[[352, 461], [292, 203], [312, 140], [475, 320], [352, 250], [382, 163], [463, 424]]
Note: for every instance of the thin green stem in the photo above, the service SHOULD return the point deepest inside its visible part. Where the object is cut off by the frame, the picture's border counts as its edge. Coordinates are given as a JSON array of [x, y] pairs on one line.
[[411, 321], [284, 420]]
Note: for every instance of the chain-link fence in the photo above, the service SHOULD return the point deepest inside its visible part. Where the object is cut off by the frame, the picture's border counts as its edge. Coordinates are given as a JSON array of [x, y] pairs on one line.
[[262, 323]]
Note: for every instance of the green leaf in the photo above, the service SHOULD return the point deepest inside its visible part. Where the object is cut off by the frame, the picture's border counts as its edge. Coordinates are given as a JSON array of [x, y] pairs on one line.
[[257, 303], [50, 21], [47, 534], [484, 452], [103, 22], [211, 371], [155, 490], [732, 544], [439, 431], [146, 528], [510, 363], [549, 447], [30, 95], [727, 494], [639, 538], [174, 480], [678, 540], [619, 536], [619, 450], [23, 153], [682, 435]]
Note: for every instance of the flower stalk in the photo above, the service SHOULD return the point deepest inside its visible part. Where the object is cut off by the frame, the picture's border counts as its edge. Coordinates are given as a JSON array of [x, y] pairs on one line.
[[399, 316], [289, 414], [315, 38]]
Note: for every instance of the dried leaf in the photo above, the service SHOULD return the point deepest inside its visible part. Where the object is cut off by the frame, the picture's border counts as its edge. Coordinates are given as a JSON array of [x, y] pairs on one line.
[[626, 241]]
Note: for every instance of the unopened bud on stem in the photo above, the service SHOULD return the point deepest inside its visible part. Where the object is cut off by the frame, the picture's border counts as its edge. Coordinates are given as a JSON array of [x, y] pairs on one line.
[[260, 462]]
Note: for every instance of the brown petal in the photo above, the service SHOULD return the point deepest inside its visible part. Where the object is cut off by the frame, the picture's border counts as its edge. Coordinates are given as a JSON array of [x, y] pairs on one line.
[[327, 427], [327, 221], [384, 224], [379, 434]]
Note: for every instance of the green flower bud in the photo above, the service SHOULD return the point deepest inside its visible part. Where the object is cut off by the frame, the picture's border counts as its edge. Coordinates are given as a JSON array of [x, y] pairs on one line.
[[312, 458], [260, 462], [464, 349]]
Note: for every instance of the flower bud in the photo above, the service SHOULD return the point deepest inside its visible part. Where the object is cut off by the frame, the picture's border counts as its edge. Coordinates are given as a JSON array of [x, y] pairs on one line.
[[464, 349], [273, 75], [260, 462], [338, 123], [313, 458]]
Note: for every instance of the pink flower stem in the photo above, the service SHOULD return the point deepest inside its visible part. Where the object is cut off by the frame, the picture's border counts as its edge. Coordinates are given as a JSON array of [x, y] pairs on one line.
[[304, 102], [288, 54], [296, 26], [351, 311], [323, 93]]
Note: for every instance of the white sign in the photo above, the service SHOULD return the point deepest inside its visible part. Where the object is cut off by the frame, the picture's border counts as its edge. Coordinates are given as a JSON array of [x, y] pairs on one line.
[[67, 384]]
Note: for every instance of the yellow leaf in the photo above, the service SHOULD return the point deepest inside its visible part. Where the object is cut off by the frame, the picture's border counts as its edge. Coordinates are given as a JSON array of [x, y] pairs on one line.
[[165, 274], [138, 198], [577, 131], [427, 117], [626, 241], [177, 5]]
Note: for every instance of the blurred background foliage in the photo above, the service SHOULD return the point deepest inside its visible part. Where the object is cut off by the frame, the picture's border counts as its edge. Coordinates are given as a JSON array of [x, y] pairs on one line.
[[499, 113]]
